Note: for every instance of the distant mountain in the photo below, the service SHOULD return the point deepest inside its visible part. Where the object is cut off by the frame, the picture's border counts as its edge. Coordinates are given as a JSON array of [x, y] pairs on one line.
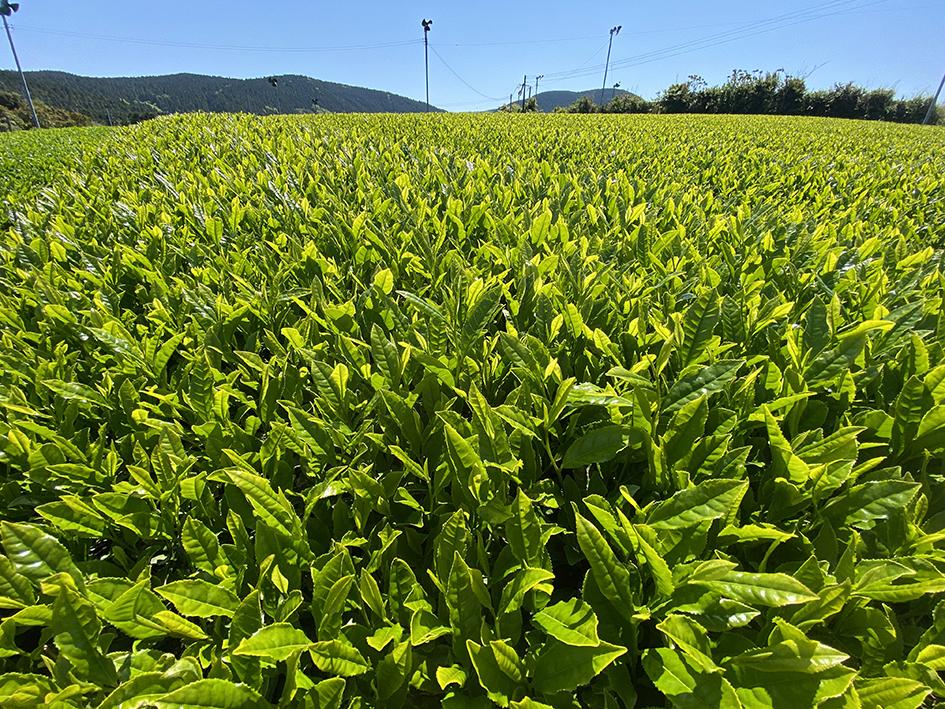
[[550, 100], [130, 99]]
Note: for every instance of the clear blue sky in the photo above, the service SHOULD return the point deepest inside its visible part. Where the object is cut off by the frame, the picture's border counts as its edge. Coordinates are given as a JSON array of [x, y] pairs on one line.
[[483, 48]]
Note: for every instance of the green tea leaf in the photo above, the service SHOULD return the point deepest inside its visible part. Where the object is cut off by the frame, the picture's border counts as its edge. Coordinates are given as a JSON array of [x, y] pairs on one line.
[[338, 657], [35, 554], [76, 630], [572, 622], [499, 686], [199, 598], [270, 507], [774, 590], [698, 325], [597, 446], [75, 391], [709, 500], [611, 576], [274, 642], [564, 668], [829, 364], [891, 693], [707, 381], [210, 694]]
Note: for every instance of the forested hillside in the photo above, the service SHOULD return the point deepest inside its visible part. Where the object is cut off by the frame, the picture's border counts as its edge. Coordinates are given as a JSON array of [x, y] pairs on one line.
[[15, 114], [132, 99]]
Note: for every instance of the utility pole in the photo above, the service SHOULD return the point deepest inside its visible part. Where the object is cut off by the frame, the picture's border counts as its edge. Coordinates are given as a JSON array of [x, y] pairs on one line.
[[7, 8], [613, 32], [427, 24], [537, 79], [928, 116], [510, 103], [524, 84]]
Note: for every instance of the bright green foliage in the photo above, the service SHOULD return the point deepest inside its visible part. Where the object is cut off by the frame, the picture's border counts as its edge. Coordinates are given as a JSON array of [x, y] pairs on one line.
[[476, 411], [30, 160]]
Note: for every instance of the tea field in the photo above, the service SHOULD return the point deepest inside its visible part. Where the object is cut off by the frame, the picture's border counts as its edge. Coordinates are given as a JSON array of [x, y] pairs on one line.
[[472, 411], [31, 159]]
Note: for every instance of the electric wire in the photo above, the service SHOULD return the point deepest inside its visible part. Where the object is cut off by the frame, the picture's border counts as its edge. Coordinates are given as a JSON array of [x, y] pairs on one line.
[[657, 54], [759, 27], [461, 79], [741, 31], [775, 23], [220, 47]]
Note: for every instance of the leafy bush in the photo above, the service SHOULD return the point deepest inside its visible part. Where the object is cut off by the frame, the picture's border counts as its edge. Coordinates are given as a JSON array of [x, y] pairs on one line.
[[779, 93], [877, 105], [471, 411], [582, 105], [627, 103], [15, 114]]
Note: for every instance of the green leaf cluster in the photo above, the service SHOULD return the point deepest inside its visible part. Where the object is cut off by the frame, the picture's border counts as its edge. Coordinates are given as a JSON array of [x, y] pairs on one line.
[[464, 411]]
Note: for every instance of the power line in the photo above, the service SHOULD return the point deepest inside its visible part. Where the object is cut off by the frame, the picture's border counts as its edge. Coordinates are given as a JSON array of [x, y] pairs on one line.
[[754, 28], [407, 42], [488, 102], [515, 42], [698, 43], [674, 52], [662, 54], [336, 48], [219, 47], [740, 30], [457, 104], [557, 40], [594, 55], [461, 79]]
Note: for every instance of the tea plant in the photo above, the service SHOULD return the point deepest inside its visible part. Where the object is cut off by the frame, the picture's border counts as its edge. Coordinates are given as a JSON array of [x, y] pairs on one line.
[[471, 411], [30, 159]]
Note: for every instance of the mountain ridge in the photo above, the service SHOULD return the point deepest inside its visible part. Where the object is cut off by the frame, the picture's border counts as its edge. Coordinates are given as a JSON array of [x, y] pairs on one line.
[[128, 99]]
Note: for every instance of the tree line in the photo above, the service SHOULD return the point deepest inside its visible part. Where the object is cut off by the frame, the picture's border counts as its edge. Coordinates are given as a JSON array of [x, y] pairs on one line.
[[124, 100], [15, 114], [775, 92]]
